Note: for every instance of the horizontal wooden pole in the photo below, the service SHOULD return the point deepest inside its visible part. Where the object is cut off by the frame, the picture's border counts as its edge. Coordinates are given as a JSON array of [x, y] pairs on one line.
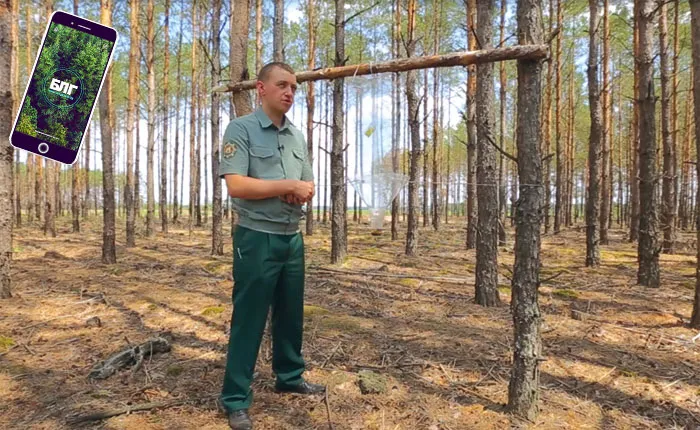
[[463, 58]]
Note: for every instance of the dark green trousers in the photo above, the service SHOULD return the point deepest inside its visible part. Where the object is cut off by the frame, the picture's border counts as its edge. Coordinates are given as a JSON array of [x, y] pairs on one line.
[[268, 270]]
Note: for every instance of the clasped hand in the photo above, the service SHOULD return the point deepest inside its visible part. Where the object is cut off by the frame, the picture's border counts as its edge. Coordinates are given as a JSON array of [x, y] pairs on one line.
[[303, 192]]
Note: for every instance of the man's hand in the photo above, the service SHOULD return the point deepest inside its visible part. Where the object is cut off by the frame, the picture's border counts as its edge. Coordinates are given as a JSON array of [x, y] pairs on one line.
[[302, 193]]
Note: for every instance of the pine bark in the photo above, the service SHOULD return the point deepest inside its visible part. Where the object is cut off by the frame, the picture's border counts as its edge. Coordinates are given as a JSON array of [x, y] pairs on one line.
[[594, 143], [6, 150], [471, 130], [413, 123], [278, 32], [310, 106], [647, 249], [523, 388], [668, 218], [486, 169], [695, 31], [339, 243], [605, 153], [217, 244], [109, 253], [165, 115]]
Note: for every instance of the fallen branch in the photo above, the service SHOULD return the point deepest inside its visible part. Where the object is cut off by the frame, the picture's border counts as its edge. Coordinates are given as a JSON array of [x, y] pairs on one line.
[[462, 58], [328, 411], [97, 416], [132, 356]]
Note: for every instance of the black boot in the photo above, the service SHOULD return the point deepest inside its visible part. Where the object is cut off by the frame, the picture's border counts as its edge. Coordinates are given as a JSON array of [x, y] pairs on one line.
[[303, 388], [239, 420]]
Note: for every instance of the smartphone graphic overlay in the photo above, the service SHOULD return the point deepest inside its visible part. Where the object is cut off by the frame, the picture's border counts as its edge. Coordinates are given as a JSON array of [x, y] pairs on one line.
[[60, 96]]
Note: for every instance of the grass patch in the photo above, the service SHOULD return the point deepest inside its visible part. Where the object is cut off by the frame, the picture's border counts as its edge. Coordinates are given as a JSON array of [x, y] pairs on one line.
[[213, 310], [217, 267], [342, 324], [407, 282], [565, 293], [505, 289], [6, 342], [311, 310]]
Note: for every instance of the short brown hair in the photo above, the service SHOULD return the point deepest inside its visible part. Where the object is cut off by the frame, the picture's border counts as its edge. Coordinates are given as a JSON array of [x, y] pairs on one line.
[[265, 70]]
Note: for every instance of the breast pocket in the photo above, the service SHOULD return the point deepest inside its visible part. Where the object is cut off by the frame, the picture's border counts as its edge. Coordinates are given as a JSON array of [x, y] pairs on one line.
[[297, 164], [264, 163]]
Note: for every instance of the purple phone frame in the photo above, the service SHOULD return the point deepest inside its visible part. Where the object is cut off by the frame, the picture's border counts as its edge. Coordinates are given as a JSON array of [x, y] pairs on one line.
[[31, 143]]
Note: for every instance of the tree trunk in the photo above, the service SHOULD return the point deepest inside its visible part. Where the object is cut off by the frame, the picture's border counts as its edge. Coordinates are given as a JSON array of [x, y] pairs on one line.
[[396, 114], [437, 138], [695, 28], [193, 123], [151, 76], [339, 244], [570, 143], [674, 111], [217, 244], [198, 146], [685, 196], [7, 9], [14, 83], [50, 197], [502, 134], [86, 173], [258, 39], [634, 174], [486, 170], [560, 147], [668, 216], [75, 175], [648, 249], [310, 106], [163, 193], [132, 122], [547, 129], [523, 389], [596, 135], [413, 123], [326, 170], [239, 55], [109, 253], [471, 130], [605, 153], [278, 32], [176, 201], [426, 192]]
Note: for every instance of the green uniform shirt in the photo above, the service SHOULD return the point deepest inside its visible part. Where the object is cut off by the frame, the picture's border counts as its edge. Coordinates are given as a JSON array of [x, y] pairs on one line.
[[253, 146]]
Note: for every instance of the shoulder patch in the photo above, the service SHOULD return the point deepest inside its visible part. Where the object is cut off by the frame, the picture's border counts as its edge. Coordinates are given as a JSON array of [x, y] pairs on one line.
[[229, 150]]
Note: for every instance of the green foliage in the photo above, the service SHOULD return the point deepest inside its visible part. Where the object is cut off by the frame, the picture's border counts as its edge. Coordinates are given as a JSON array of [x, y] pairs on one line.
[[565, 294], [27, 119], [85, 56], [213, 310], [6, 342]]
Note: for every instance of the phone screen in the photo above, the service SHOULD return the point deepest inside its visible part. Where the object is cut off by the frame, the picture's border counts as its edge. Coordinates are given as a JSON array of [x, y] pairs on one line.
[[62, 90]]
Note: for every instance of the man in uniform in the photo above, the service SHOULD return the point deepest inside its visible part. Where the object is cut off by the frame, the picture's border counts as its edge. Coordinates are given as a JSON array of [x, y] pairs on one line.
[[265, 164]]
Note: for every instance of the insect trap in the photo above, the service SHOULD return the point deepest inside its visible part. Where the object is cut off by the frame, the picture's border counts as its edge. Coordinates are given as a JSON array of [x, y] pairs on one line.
[[376, 191]]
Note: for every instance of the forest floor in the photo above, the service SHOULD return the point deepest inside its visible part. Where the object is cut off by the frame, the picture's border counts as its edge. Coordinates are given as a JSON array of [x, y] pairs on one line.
[[626, 361]]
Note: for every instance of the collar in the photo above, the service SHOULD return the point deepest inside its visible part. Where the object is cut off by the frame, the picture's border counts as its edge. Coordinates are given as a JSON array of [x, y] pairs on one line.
[[265, 120]]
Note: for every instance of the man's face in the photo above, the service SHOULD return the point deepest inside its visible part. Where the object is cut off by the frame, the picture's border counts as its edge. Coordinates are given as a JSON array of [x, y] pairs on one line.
[[277, 91]]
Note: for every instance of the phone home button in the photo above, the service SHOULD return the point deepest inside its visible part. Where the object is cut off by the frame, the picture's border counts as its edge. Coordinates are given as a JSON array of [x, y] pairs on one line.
[[43, 147]]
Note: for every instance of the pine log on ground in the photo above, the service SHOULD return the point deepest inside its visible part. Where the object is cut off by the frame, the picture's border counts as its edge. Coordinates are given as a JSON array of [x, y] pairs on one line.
[[132, 356]]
